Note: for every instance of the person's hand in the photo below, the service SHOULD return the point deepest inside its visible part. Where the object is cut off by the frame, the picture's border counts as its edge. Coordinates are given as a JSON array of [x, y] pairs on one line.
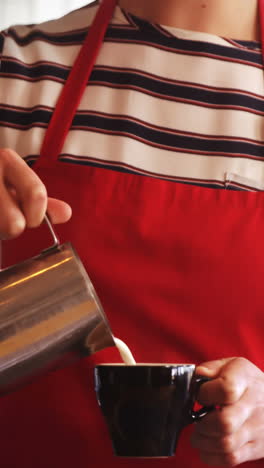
[[234, 432], [23, 197]]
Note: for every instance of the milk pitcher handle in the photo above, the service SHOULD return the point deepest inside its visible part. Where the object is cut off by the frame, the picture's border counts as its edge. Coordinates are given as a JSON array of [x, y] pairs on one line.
[[56, 241]]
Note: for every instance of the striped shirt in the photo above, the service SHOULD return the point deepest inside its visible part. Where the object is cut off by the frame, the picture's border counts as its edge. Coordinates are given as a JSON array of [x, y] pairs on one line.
[[163, 102]]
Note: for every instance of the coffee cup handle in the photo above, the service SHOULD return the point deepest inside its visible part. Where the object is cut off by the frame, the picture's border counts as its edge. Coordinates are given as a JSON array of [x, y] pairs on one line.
[[196, 416]]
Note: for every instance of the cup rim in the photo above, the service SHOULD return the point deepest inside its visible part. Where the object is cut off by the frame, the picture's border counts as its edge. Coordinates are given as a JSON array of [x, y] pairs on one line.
[[145, 364]]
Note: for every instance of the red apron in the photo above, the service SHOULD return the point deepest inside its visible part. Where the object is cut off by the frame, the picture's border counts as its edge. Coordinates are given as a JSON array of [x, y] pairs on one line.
[[179, 270]]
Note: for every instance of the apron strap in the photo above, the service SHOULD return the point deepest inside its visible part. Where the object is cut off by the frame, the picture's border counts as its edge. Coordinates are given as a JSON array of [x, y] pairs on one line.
[[75, 86]]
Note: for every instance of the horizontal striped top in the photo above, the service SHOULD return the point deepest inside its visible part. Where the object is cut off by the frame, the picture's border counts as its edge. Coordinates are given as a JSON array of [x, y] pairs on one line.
[[162, 101]]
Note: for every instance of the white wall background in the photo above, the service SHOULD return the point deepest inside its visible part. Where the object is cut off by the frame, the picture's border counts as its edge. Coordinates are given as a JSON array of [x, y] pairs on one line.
[[34, 11]]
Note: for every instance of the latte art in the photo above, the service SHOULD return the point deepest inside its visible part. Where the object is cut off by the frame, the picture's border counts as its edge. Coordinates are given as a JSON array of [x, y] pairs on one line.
[[125, 352]]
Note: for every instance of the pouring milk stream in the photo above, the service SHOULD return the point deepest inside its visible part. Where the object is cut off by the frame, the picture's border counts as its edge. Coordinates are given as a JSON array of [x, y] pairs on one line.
[[125, 352]]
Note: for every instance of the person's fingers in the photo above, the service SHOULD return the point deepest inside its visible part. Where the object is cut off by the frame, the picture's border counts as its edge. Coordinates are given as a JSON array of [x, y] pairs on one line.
[[232, 434], [23, 198], [252, 450], [30, 191], [229, 382], [212, 440], [220, 445], [58, 210], [243, 454], [213, 368], [12, 221], [225, 420]]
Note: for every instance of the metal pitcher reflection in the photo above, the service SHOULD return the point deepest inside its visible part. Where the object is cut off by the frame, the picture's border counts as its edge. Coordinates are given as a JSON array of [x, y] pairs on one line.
[[49, 315]]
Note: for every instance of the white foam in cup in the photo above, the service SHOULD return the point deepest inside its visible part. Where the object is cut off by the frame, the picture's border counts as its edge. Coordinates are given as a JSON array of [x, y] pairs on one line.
[[125, 352]]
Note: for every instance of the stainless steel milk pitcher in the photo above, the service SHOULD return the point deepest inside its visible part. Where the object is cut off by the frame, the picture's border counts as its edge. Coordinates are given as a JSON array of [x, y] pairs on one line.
[[49, 315]]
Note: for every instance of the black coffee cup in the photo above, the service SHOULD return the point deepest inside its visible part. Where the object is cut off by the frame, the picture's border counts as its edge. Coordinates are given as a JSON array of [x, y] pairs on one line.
[[146, 406]]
